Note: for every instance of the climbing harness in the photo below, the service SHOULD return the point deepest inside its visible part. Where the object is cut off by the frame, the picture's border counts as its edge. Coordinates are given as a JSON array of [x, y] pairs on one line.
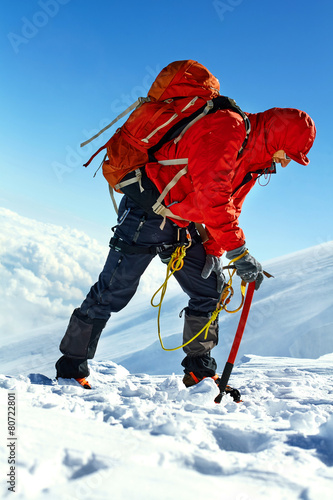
[[183, 239]]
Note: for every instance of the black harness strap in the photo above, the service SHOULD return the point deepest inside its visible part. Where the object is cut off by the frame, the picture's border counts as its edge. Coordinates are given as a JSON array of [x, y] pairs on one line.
[[120, 245]]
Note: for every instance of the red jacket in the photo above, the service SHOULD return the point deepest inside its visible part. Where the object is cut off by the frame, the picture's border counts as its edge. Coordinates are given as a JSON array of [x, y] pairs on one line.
[[209, 193]]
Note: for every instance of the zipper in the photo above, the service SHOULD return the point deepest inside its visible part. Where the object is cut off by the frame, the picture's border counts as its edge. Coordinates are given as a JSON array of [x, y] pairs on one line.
[[112, 277]]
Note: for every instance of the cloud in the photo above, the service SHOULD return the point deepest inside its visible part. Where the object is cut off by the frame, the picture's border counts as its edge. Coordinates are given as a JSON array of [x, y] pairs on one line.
[[46, 271]]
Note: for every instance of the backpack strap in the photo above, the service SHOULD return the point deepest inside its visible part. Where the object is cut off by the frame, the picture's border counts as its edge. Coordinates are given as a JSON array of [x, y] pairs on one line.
[[158, 207], [209, 106], [135, 105], [137, 178]]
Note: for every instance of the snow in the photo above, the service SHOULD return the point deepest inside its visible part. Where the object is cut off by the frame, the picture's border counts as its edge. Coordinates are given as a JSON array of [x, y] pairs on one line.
[[140, 436], [139, 433]]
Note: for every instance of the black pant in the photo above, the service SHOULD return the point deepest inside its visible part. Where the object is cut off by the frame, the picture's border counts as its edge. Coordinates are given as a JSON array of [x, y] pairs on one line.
[[120, 278]]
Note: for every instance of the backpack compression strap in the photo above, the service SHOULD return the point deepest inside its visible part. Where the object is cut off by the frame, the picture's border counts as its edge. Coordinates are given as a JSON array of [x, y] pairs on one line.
[[135, 105]]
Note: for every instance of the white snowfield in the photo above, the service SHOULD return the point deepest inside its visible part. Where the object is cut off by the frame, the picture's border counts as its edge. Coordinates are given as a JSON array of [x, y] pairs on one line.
[[139, 434], [147, 437]]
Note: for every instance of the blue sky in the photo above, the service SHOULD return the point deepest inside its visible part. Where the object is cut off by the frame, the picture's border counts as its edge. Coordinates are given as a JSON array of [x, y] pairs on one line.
[[69, 66]]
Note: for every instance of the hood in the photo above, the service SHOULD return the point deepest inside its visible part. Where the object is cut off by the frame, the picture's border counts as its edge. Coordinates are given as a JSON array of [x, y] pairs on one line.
[[182, 79], [279, 128]]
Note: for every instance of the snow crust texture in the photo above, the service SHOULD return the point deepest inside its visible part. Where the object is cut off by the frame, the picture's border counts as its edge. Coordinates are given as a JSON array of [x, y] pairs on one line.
[[147, 437]]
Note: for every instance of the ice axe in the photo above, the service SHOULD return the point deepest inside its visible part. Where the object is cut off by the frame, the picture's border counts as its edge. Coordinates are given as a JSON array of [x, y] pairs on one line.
[[235, 346]]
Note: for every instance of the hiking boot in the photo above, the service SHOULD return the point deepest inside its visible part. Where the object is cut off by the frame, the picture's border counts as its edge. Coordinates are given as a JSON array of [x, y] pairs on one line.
[[83, 382], [191, 379]]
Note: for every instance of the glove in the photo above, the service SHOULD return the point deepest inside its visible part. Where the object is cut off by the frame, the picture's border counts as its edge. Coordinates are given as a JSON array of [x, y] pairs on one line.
[[248, 268], [213, 265]]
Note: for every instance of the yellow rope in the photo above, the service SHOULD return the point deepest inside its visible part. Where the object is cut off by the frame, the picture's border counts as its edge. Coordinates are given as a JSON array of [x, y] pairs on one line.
[[175, 264]]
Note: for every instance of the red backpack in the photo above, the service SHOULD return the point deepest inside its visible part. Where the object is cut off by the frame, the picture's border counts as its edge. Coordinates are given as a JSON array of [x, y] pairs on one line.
[[182, 93], [180, 89]]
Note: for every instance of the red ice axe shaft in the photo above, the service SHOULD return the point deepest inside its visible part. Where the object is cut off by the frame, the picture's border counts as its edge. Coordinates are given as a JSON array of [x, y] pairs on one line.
[[237, 340]]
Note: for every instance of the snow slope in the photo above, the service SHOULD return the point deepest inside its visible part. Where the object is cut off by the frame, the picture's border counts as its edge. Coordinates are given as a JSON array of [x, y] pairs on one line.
[[147, 437], [139, 433]]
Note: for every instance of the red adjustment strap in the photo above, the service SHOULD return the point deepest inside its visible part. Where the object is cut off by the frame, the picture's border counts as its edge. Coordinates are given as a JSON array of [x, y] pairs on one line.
[[196, 379], [84, 383], [95, 154]]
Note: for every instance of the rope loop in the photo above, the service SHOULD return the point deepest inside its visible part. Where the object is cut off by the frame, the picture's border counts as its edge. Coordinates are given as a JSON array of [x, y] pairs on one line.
[[175, 264]]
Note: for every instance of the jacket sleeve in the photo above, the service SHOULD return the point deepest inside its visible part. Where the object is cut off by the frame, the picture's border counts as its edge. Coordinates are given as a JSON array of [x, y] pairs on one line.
[[212, 162]]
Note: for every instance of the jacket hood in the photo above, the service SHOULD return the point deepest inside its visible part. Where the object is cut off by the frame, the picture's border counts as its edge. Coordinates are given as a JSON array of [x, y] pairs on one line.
[[280, 128]]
